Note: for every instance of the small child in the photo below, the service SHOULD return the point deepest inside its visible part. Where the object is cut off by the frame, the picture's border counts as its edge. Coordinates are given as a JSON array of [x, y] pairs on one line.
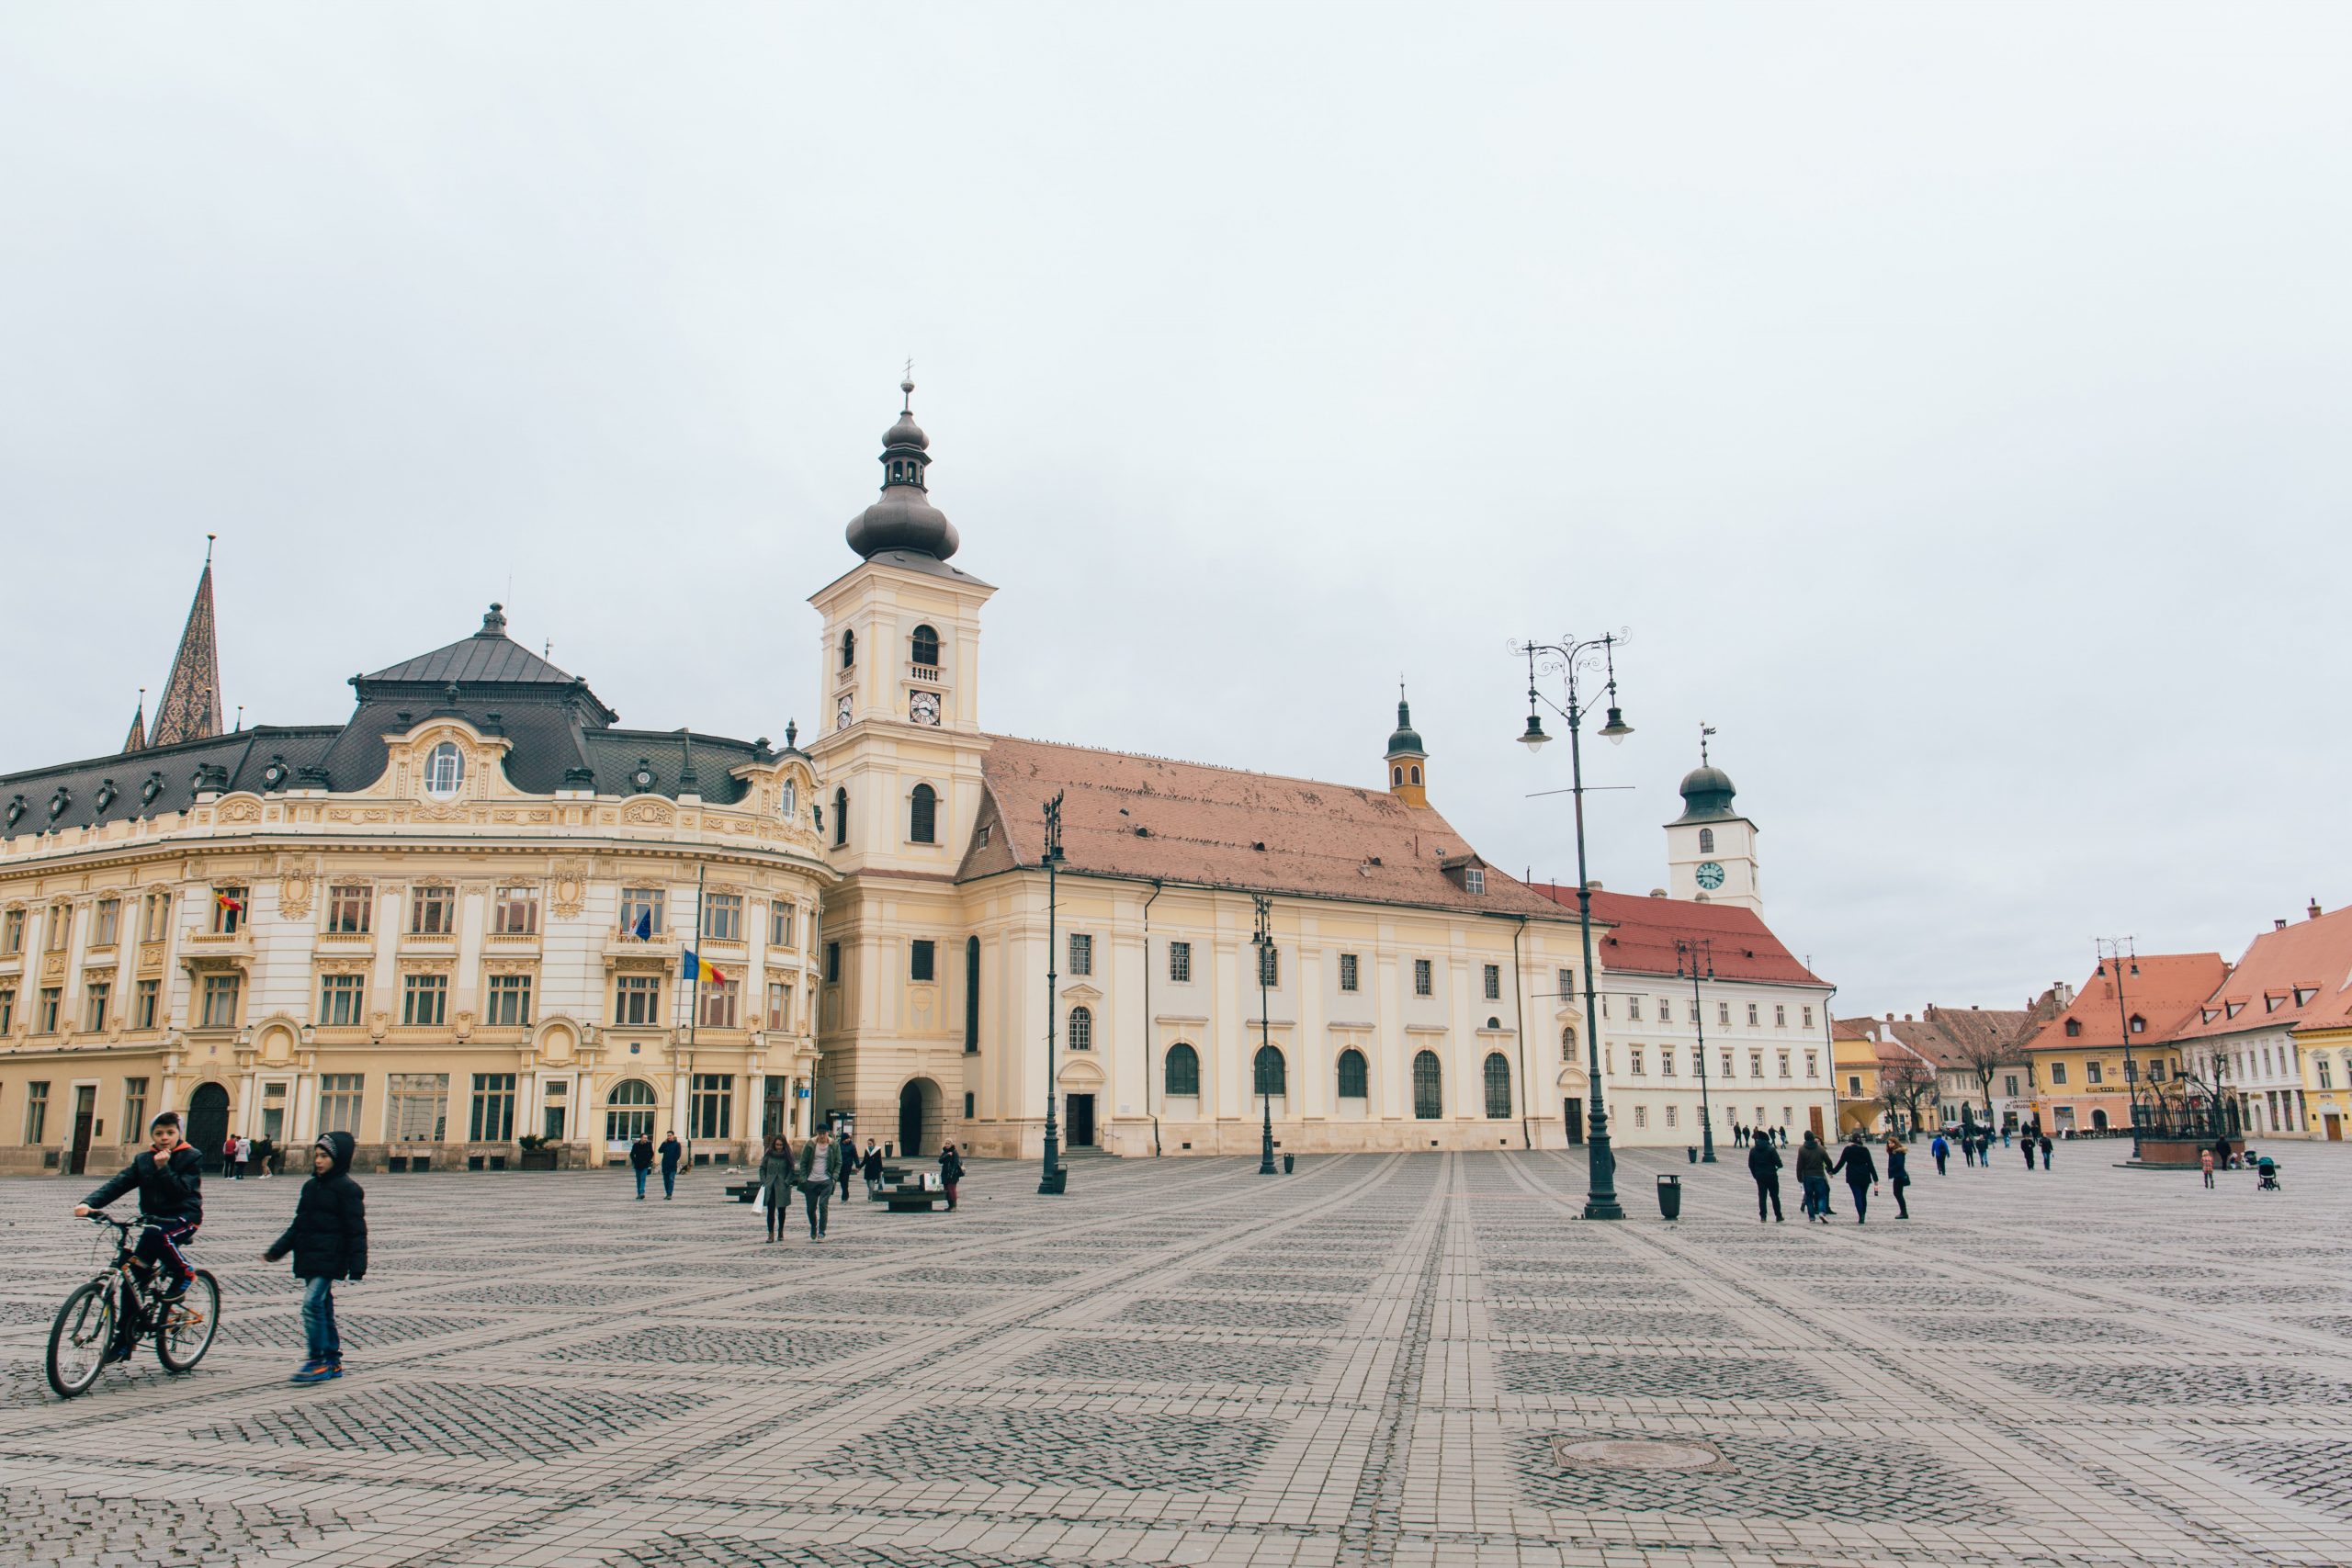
[[2206, 1159], [329, 1241]]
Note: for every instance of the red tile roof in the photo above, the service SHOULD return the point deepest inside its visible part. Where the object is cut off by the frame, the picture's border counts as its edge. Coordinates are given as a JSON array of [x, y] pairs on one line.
[[1643, 932], [2296, 973], [2166, 993], [1190, 823]]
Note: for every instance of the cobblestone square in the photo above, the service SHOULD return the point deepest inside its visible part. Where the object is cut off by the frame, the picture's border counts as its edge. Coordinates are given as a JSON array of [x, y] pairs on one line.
[[1414, 1360]]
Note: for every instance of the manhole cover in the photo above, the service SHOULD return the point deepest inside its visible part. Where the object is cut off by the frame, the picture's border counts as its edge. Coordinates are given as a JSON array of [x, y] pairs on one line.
[[1636, 1454]]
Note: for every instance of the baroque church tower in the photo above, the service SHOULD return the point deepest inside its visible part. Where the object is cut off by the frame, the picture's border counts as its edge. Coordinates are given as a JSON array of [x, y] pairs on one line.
[[1711, 848], [1408, 762]]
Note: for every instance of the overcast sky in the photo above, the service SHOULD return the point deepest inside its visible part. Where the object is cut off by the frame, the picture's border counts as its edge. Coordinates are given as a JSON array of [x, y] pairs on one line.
[[1950, 400]]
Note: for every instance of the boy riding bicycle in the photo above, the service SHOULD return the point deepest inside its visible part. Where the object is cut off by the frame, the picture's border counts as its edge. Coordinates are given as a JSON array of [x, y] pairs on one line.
[[169, 1176]]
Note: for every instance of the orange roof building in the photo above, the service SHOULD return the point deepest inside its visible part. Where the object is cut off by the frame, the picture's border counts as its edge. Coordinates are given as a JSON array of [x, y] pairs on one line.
[[2248, 1034], [2083, 1080]]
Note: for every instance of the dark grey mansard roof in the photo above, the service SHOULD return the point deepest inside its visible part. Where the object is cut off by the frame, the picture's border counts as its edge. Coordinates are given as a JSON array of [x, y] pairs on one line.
[[555, 725]]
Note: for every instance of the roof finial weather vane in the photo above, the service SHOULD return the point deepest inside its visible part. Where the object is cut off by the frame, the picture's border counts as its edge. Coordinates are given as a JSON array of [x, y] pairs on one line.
[[908, 387], [208, 547], [1704, 730]]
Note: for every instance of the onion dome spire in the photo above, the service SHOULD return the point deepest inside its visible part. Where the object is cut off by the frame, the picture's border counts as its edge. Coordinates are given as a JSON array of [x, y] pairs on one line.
[[904, 518]]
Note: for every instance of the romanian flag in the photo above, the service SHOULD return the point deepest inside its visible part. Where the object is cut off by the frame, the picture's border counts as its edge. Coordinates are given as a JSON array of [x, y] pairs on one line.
[[222, 898], [702, 969]]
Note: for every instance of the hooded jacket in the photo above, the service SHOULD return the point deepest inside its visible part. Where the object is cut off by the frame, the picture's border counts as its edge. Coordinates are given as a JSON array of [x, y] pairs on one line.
[[171, 1191], [329, 1236], [1763, 1161]]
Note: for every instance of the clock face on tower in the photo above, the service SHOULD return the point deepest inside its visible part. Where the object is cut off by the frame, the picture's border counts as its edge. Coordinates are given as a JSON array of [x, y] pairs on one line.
[[841, 713], [924, 709], [1711, 875]]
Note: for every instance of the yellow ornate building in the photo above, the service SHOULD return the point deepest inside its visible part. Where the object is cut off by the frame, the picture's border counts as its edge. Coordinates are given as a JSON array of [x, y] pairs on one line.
[[452, 922]]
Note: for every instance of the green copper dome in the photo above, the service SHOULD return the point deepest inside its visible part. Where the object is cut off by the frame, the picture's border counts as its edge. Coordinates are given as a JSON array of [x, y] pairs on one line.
[[1706, 794], [1406, 739]]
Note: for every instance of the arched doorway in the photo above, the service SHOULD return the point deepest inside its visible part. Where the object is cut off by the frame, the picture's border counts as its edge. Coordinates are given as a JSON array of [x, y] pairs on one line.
[[919, 1130], [629, 1112], [208, 1121], [2098, 1120]]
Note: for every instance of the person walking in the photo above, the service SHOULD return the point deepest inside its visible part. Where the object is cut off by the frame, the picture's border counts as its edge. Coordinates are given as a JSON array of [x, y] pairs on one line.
[[263, 1154], [1812, 1178], [850, 1164], [1861, 1174], [950, 1171], [872, 1167], [228, 1155], [672, 1152], [1898, 1173], [2205, 1164], [1764, 1165], [776, 1177], [2026, 1143], [328, 1238], [819, 1170], [1942, 1150], [2045, 1151], [640, 1160], [2222, 1152]]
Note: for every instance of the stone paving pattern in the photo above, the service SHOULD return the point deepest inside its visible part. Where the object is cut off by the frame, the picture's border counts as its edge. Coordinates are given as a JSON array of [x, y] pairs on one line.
[[1367, 1362]]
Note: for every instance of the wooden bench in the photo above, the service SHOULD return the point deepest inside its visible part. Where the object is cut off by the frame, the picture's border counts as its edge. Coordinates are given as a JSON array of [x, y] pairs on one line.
[[910, 1200], [743, 1192]]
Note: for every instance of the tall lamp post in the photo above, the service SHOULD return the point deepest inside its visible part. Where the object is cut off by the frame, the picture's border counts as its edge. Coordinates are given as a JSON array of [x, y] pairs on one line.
[[1600, 1161], [1053, 1178], [1688, 956], [1265, 944], [2114, 953]]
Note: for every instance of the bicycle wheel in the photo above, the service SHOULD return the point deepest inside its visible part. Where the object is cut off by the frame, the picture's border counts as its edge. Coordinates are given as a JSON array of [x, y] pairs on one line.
[[81, 1337], [190, 1325]]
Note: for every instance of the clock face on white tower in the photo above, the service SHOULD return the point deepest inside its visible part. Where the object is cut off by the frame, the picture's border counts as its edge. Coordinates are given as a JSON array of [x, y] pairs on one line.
[[924, 709], [842, 712], [1711, 875]]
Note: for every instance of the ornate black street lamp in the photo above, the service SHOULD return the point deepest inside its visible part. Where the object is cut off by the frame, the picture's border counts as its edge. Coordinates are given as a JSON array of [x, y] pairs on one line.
[[1600, 1161], [1053, 1179], [1688, 956], [2114, 953], [1265, 944]]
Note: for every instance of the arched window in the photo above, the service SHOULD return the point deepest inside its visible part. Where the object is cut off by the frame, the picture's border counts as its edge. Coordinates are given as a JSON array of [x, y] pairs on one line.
[[787, 800], [444, 770], [1355, 1079], [1429, 1086], [849, 648], [1396, 775], [922, 816], [1269, 1077], [1498, 1087], [926, 646], [1706, 840], [840, 817], [1416, 772], [629, 1111], [1567, 1045], [1183, 1070], [972, 995], [1081, 1029]]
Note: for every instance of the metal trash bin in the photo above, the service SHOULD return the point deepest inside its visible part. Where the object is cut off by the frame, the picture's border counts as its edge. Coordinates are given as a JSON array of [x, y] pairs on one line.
[[1691, 1152], [1669, 1197], [1287, 1162]]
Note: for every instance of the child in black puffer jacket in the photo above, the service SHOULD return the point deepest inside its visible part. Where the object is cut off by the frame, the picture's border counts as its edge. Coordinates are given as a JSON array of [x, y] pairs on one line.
[[329, 1241]]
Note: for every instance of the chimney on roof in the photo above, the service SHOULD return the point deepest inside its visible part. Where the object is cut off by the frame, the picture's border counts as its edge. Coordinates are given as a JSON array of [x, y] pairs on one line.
[[2279, 925], [1890, 1017], [2313, 913], [1906, 1018], [1594, 884], [1658, 892]]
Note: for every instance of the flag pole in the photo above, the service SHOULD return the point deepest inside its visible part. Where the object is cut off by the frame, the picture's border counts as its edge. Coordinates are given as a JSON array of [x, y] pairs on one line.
[[694, 1005]]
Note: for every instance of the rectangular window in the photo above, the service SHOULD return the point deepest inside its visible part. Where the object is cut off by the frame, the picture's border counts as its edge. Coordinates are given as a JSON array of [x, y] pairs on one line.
[[351, 909], [36, 1112], [143, 1002], [95, 997], [1641, 1116], [1723, 1015], [1808, 1018], [779, 1004], [105, 922], [1081, 953], [45, 1015], [641, 911], [509, 1002], [339, 1102], [1784, 1064], [832, 963], [424, 1000], [637, 999], [60, 926], [1494, 982], [1811, 1065], [12, 932], [343, 1001], [1698, 1063], [1780, 1016], [1350, 975], [432, 910], [1633, 1054], [228, 906], [722, 917], [1669, 1116], [157, 914], [2325, 1080], [921, 960], [1729, 1071], [1634, 1009], [514, 910], [1756, 1063], [1179, 965], [2057, 1072], [134, 1108], [1853, 1087], [1568, 984], [2009, 1085], [1666, 1010], [1270, 964], [1666, 1060], [416, 1107], [494, 1109], [2093, 1071], [712, 1109], [1474, 879], [1751, 1015], [780, 924], [1424, 981], [220, 995], [721, 1003]]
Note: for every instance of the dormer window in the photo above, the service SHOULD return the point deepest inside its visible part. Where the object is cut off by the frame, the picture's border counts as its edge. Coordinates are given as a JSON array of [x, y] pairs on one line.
[[2303, 994], [2232, 1009], [2139, 1024], [1474, 879], [2073, 1028], [445, 770], [926, 646]]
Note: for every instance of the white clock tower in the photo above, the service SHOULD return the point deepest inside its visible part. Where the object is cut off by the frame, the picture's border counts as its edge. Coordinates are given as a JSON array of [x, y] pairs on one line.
[[1711, 848]]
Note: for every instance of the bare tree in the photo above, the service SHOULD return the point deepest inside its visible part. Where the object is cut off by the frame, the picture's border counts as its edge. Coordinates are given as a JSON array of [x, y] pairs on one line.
[[1903, 1082], [1984, 1058]]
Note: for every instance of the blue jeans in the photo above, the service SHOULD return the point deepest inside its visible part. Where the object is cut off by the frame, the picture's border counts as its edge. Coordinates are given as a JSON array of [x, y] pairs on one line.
[[318, 1321], [669, 1180], [643, 1172]]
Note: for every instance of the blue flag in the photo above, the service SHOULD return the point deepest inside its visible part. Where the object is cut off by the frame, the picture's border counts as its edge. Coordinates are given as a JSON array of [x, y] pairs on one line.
[[644, 932]]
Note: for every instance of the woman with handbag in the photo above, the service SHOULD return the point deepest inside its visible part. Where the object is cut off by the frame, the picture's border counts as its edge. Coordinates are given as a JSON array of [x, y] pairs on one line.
[[776, 1172]]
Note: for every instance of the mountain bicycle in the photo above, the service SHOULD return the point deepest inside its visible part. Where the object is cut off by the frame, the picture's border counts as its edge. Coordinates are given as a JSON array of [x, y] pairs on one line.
[[105, 1320]]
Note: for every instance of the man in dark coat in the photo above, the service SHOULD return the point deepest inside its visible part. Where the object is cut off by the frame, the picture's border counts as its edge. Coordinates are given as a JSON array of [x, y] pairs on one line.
[[640, 1160], [1861, 1172], [672, 1152], [329, 1241], [1764, 1165], [169, 1174]]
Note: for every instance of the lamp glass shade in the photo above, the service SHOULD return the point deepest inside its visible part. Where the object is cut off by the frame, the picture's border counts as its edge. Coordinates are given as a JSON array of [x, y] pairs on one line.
[[1534, 739], [1616, 730]]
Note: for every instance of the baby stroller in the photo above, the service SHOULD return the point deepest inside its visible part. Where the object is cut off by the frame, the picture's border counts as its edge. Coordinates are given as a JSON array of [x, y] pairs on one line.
[[2269, 1170]]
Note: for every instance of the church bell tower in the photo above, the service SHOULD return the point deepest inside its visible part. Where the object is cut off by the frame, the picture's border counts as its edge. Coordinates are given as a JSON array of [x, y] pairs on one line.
[[1711, 848], [1408, 762]]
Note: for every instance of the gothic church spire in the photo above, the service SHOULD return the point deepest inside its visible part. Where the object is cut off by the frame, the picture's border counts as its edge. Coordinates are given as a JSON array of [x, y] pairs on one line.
[[137, 740], [190, 706]]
